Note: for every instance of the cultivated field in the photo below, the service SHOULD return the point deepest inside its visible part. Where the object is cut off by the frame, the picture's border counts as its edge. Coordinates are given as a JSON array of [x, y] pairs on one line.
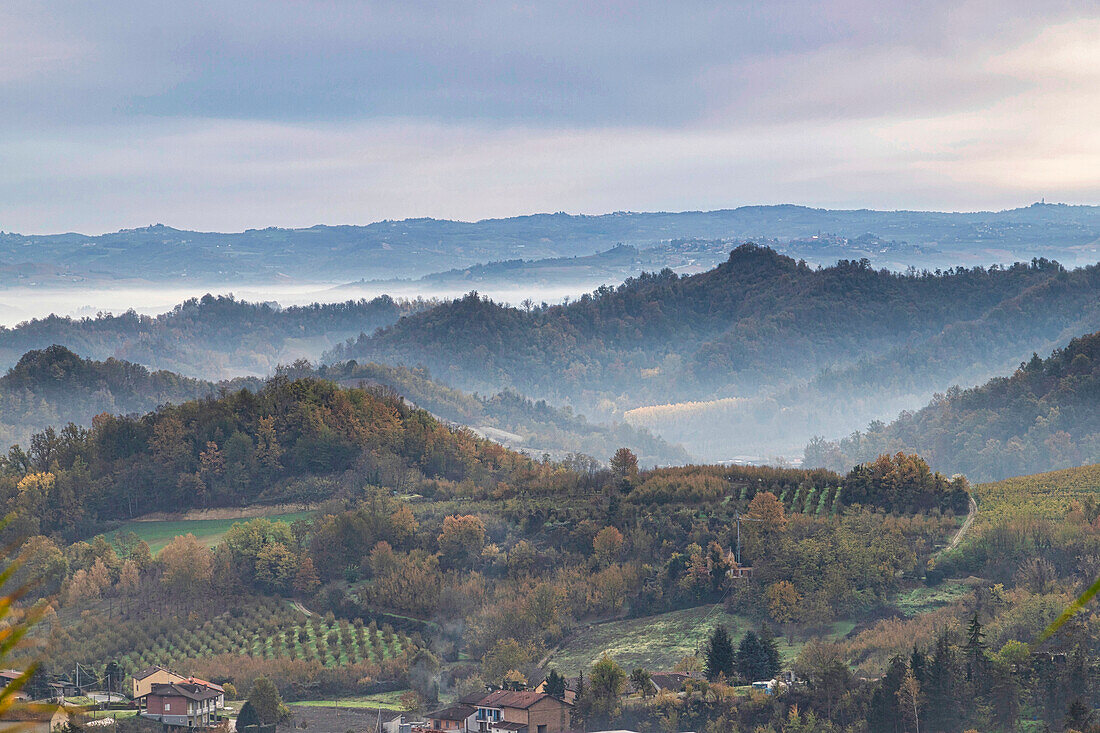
[[268, 629]]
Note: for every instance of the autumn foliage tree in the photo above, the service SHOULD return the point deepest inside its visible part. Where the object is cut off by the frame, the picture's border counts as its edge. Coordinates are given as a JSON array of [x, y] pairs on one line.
[[462, 539]]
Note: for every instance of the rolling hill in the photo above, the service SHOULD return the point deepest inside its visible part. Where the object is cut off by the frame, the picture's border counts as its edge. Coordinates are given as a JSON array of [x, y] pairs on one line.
[[54, 386], [806, 350], [210, 337], [1045, 416]]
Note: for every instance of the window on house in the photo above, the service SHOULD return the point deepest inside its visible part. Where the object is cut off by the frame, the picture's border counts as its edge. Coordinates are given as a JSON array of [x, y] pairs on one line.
[[167, 706]]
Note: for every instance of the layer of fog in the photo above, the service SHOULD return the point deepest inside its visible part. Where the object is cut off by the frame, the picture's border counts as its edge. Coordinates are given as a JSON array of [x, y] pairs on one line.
[[22, 304]]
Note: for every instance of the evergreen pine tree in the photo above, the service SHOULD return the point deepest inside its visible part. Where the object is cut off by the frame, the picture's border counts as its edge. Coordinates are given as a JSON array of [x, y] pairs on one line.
[[884, 715], [753, 660], [555, 684], [247, 716], [943, 687], [917, 663], [770, 653], [719, 654], [975, 654]]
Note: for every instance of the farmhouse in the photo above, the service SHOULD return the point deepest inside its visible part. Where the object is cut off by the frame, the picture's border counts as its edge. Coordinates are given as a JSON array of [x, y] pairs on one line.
[[146, 678], [182, 703], [34, 721], [505, 711], [8, 676], [458, 717]]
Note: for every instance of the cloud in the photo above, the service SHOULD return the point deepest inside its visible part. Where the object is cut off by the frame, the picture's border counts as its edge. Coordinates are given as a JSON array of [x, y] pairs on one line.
[[234, 114]]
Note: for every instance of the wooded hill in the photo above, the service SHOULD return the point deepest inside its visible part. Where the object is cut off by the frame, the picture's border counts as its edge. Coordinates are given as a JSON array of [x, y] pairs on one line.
[[54, 386], [532, 426], [301, 440], [761, 322], [1045, 416], [209, 337]]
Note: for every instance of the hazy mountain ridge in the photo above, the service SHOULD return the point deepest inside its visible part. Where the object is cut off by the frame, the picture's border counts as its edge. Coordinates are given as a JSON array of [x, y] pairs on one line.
[[416, 247], [760, 318], [209, 337], [807, 351]]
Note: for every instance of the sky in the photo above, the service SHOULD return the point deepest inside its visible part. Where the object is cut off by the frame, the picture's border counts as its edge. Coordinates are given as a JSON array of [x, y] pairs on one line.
[[235, 114]]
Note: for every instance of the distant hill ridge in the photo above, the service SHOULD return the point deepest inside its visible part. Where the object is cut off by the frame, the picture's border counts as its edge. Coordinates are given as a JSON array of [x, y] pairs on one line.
[[1044, 417], [54, 386], [416, 247]]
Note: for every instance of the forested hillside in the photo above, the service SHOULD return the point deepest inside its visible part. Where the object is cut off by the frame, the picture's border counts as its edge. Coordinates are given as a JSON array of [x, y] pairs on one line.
[[54, 386], [797, 341], [510, 418], [208, 338], [302, 440], [1045, 416]]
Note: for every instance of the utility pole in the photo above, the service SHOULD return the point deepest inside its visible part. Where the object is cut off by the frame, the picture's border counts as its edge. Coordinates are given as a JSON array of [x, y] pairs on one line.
[[739, 518]]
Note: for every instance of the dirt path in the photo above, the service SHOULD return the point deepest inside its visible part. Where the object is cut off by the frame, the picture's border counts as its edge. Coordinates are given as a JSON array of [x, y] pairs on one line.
[[965, 526], [297, 606]]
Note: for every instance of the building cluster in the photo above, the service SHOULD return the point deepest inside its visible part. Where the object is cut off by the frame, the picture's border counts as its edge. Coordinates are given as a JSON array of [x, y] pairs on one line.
[[500, 711]]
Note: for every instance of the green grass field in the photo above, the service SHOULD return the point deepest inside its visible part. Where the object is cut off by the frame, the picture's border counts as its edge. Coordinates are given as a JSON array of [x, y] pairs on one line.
[[383, 700], [208, 531], [922, 599], [1043, 495], [658, 642]]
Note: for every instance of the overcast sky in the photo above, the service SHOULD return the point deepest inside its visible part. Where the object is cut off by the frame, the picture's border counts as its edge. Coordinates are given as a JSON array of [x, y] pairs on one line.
[[232, 114]]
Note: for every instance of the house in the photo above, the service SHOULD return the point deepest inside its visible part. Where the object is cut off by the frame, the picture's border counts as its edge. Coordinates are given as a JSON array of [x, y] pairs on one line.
[[572, 684], [219, 701], [146, 678], [8, 676], [63, 688], [185, 704], [454, 718], [391, 722], [505, 711], [34, 721], [669, 681]]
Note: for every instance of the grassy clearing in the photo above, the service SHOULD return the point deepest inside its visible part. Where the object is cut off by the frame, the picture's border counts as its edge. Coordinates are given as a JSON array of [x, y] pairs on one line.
[[922, 599], [658, 642], [208, 531], [116, 714], [383, 700]]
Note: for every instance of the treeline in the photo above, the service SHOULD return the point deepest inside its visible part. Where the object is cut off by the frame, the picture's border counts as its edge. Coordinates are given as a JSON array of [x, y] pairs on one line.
[[298, 440], [900, 483], [757, 320], [54, 386], [1043, 417], [209, 337]]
